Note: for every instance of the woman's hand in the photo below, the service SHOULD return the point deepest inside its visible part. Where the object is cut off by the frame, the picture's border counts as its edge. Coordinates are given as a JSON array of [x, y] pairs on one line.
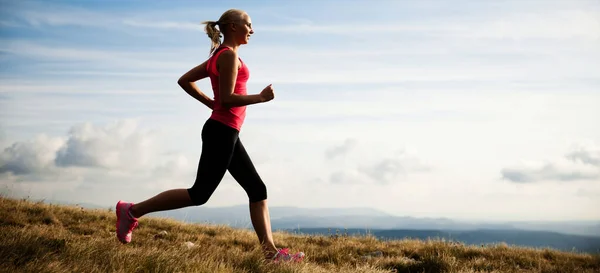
[[267, 94]]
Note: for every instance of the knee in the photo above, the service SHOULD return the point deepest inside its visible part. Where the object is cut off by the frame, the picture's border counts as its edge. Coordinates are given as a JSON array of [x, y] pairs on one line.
[[259, 193], [197, 197]]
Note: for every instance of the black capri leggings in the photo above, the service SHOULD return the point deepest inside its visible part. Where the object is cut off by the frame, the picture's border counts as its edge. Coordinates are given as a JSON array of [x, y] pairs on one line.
[[222, 150]]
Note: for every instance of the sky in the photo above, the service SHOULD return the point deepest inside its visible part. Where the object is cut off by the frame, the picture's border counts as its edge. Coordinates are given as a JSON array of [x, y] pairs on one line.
[[469, 110]]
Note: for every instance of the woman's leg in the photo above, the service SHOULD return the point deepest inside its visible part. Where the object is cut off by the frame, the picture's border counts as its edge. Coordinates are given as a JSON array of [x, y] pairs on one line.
[[218, 142], [244, 172], [261, 221], [166, 200]]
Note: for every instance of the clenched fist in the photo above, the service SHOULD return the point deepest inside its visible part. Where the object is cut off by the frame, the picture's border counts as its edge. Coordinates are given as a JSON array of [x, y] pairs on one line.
[[267, 94]]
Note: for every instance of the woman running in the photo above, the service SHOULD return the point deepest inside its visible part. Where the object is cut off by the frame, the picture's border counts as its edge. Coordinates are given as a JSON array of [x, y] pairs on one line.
[[222, 149]]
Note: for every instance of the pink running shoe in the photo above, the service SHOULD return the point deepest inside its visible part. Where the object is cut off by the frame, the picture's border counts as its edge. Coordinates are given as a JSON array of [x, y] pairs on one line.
[[284, 255], [125, 223]]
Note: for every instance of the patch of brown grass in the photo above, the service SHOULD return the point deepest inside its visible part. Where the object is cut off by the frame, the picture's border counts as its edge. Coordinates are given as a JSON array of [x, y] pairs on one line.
[[38, 237]]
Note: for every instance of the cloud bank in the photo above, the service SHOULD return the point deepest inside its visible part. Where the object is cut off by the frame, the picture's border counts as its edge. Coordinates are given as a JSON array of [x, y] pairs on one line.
[[581, 163], [121, 146]]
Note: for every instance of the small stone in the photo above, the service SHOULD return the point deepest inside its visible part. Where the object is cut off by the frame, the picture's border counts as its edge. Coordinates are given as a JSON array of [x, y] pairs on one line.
[[377, 253], [161, 235], [373, 254], [365, 257], [189, 244]]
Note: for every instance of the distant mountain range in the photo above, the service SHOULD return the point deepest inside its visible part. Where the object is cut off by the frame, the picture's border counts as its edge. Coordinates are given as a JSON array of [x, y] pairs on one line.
[[365, 218], [580, 235]]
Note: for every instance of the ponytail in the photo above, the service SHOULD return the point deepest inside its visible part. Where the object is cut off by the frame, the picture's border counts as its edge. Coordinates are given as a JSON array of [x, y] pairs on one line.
[[214, 34]]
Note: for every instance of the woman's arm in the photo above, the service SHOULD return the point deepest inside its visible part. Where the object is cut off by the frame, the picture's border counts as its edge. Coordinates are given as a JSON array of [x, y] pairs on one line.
[[187, 82], [228, 69]]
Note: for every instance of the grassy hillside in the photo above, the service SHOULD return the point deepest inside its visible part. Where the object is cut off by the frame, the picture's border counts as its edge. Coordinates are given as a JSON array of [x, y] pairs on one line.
[[38, 237]]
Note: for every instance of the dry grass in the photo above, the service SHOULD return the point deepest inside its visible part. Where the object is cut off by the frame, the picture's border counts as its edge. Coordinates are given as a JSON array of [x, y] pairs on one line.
[[38, 237]]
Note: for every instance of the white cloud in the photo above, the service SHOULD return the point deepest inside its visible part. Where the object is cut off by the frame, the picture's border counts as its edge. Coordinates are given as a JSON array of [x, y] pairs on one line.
[[120, 145], [349, 176], [33, 49], [351, 164], [341, 150], [394, 168], [30, 157], [574, 22], [36, 16], [123, 61], [579, 164], [74, 87], [549, 171], [586, 153], [95, 163], [566, 24], [164, 24], [176, 167]]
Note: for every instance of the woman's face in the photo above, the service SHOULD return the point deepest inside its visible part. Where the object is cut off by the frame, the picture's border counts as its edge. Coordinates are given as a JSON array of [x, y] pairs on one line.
[[243, 29]]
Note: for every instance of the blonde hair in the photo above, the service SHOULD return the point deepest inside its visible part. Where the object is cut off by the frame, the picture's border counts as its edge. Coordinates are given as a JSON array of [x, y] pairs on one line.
[[213, 33]]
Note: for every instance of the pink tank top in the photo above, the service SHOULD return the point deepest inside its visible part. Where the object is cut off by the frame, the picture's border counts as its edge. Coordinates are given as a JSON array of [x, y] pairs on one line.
[[233, 116]]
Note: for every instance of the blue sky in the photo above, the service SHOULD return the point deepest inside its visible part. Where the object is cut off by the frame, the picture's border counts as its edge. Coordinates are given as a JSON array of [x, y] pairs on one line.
[[470, 110]]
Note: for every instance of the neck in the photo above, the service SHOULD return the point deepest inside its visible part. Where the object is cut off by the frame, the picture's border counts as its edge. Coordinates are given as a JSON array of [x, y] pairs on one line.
[[231, 44]]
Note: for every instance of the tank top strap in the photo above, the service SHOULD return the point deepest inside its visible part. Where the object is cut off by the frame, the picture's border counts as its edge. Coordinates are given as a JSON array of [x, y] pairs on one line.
[[213, 59]]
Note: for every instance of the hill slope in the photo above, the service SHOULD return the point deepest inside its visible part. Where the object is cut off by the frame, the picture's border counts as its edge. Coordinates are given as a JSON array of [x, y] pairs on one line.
[[38, 237]]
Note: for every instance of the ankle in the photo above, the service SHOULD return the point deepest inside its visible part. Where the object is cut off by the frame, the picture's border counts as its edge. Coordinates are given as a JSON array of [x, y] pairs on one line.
[[133, 212], [269, 252]]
